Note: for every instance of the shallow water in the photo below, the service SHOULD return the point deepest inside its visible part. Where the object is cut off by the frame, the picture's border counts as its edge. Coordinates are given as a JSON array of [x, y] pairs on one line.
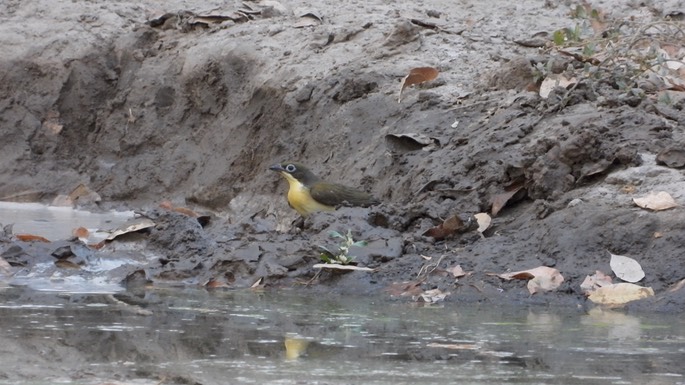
[[179, 336], [56, 223]]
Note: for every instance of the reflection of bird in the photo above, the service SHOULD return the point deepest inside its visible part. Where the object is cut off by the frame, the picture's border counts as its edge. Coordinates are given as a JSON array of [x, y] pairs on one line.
[[308, 194]]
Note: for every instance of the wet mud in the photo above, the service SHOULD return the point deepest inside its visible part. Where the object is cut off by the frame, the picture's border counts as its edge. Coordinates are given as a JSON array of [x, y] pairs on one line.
[[142, 112]]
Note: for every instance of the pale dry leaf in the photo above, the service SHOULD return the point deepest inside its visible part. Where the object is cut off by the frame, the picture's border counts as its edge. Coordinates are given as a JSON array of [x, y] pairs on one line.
[[257, 284], [678, 286], [408, 142], [620, 293], [295, 347], [656, 201], [417, 76], [432, 296], [595, 281], [543, 283], [626, 268], [456, 271], [136, 225], [453, 346], [335, 266], [5, 267], [544, 278], [483, 220], [553, 81]]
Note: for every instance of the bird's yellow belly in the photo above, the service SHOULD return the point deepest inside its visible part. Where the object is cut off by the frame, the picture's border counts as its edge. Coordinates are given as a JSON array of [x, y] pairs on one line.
[[300, 199]]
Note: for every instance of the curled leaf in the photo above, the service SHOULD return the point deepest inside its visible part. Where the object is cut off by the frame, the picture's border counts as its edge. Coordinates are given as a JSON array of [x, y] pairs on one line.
[[417, 76], [553, 81], [137, 225], [500, 200], [309, 19], [81, 233], [403, 143], [541, 278], [483, 220], [448, 227]]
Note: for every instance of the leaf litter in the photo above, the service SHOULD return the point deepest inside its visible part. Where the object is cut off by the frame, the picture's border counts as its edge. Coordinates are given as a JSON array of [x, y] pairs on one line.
[[541, 278], [656, 201], [626, 268], [417, 76]]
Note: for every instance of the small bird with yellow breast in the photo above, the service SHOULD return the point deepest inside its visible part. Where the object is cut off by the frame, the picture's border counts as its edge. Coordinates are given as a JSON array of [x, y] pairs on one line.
[[307, 193]]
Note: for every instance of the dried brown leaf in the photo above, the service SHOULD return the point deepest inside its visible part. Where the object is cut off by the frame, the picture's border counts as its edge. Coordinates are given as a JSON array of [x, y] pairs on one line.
[[81, 233], [417, 76], [448, 227], [500, 200], [31, 238]]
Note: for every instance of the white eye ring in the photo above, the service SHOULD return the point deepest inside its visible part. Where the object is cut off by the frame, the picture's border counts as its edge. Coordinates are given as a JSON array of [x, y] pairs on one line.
[[290, 168]]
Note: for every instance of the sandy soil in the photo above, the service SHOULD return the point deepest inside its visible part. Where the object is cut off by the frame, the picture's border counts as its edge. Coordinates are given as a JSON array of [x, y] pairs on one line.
[[142, 104]]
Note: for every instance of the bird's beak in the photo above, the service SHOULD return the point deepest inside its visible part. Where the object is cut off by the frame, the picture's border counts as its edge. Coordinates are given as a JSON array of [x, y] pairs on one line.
[[276, 167]]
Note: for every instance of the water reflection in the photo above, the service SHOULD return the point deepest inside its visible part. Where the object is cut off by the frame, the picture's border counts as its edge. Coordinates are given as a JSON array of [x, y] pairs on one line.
[[178, 336], [55, 223]]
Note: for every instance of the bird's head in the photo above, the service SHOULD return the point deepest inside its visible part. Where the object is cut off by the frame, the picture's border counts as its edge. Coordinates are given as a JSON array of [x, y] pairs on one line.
[[293, 171]]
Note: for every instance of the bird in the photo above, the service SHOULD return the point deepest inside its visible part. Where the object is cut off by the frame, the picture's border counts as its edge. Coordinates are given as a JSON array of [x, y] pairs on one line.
[[308, 194]]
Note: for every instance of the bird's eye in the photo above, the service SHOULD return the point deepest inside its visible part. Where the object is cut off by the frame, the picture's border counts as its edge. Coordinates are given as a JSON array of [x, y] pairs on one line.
[[290, 168]]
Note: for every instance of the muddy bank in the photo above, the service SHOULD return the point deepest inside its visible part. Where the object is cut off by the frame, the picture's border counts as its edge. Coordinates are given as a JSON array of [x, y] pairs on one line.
[[147, 104]]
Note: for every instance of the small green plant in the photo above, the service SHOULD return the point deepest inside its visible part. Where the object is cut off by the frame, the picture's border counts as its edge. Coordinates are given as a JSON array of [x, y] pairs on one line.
[[342, 255]]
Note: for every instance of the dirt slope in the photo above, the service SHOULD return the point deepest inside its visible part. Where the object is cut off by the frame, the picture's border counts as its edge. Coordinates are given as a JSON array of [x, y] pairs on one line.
[[142, 107]]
